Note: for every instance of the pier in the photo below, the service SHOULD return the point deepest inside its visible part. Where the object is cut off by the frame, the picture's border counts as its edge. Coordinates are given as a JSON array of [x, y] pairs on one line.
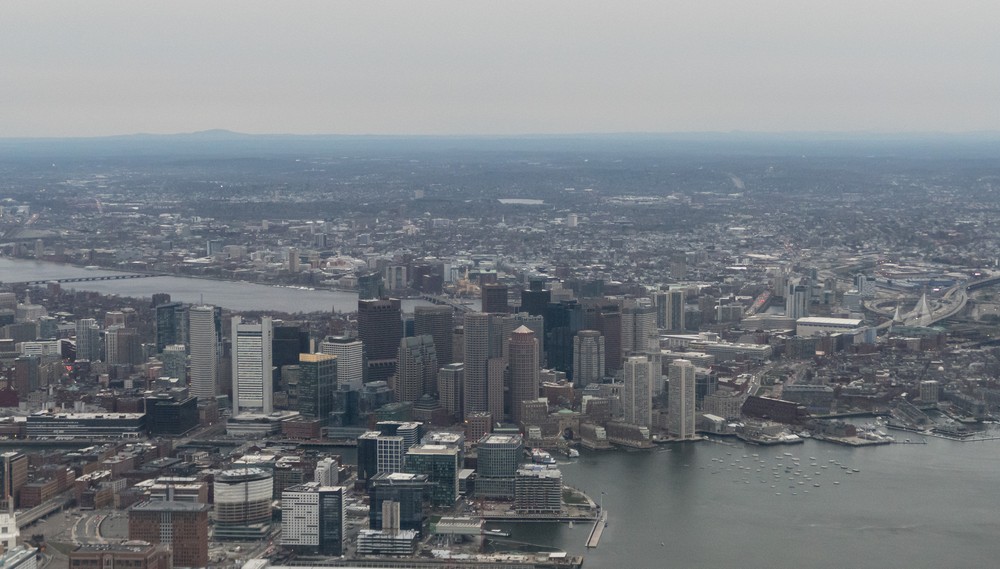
[[597, 530]]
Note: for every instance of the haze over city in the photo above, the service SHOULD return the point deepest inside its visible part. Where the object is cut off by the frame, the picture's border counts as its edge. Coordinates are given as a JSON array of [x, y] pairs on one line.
[[113, 67]]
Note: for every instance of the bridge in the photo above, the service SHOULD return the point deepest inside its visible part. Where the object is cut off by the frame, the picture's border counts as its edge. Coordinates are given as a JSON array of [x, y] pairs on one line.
[[86, 279], [443, 300], [958, 295]]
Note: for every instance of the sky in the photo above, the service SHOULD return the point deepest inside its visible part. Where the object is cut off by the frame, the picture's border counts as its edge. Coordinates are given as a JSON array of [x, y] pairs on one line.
[[100, 67]]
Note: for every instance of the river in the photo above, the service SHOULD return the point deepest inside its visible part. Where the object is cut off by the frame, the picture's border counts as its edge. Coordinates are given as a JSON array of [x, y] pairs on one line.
[[228, 294]]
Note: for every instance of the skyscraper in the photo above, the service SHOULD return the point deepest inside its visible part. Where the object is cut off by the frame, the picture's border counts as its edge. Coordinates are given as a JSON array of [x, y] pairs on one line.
[[252, 369], [451, 379], [174, 359], [171, 325], [797, 299], [350, 359], [313, 518], [495, 299], [638, 326], [317, 382], [681, 403], [416, 372], [562, 321], [637, 393], [439, 322], [609, 324], [675, 310], [477, 352], [122, 346], [535, 301], [523, 368], [88, 340], [380, 328], [588, 357], [205, 331]]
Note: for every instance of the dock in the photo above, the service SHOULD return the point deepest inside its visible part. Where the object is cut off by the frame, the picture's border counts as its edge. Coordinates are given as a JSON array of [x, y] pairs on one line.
[[597, 530]]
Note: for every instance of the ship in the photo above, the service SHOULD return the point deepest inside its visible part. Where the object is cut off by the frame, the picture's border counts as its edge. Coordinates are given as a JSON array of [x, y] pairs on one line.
[[539, 456]]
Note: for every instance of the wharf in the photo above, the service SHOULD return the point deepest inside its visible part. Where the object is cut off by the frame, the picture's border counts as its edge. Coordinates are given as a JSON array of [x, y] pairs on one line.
[[598, 529]]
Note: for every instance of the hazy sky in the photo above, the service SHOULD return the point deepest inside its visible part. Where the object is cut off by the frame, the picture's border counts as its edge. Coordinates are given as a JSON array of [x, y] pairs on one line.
[[98, 67]]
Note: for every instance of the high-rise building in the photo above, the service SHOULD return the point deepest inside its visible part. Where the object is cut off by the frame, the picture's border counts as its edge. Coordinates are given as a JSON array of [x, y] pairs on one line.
[[122, 346], [538, 490], [405, 489], [797, 299], [380, 328], [523, 368], [390, 450], [495, 299], [637, 392], [312, 518], [451, 379], [588, 357], [417, 368], [675, 310], [638, 326], [441, 464], [317, 382], [205, 335], [370, 286], [13, 476], [88, 340], [350, 359], [243, 503], [174, 358], [477, 353], [439, 322], [681, 402], [496, 465], [609, 324], [252, 369], [181, 525], [171, 325], [562, 321], [535, 301]]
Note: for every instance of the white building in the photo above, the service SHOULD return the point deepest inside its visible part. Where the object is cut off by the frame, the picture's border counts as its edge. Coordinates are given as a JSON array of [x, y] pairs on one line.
[[818, 326], [681, 394], [203, 335], [350, 360], [252, 370], [637, 393]]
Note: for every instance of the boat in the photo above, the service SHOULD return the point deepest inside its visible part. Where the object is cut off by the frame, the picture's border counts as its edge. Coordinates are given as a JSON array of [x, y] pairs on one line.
[[573, 453], [497, 533], [539, 456]]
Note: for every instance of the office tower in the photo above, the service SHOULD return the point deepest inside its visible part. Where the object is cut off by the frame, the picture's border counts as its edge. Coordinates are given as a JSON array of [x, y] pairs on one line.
[[171, 325], [171, 414], [439, 322], [370, 286], [181, 525], [797, 299], [327, 471], [496, 465], [88, 340], [451, 379], [538, 489], [350, 359], [13, 476], [562, 321], [496, 371], [681, 402], [535, 301], [114, 318], [289, 341], [674, 312], [637, 392], [243, 504], [174, 358], [609, 324], [661, 301], [638, 326], [417, 368], [396, 278], [293, 260], [523, 368], [405, 489], [317, 382], [477, 353], [441, 464], [380, 328], [122, 346], [205, 330], [494, 299], [368, 455], [27, 374], [588, 357], [312, 518], [252, 369], [389, 452]]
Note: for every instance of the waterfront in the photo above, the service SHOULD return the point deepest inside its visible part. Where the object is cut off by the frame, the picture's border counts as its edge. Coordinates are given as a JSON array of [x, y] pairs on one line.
[[228, 294], [932, 505]]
